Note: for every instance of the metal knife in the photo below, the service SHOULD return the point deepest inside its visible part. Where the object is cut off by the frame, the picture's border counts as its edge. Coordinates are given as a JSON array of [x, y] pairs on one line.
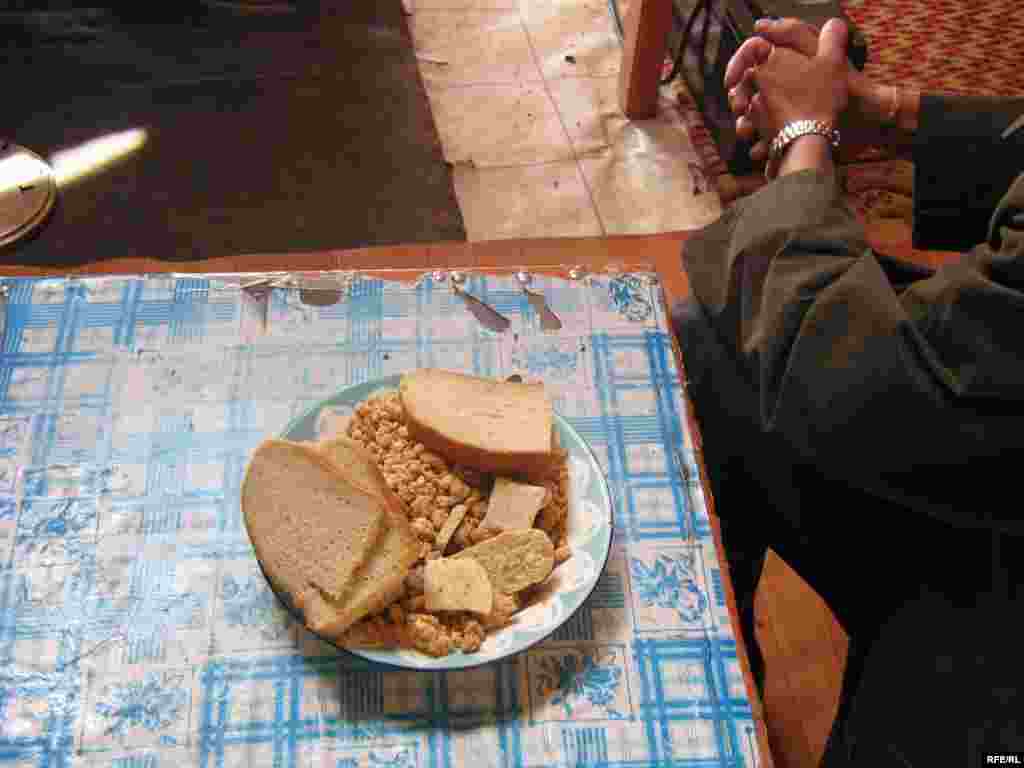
[[486, 315]]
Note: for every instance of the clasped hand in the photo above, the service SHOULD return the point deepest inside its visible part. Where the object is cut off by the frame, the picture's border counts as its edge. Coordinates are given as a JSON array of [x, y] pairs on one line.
[[791, 71]]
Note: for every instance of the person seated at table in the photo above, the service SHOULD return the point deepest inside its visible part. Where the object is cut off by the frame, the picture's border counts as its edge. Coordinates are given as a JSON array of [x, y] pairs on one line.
[[863, 416]]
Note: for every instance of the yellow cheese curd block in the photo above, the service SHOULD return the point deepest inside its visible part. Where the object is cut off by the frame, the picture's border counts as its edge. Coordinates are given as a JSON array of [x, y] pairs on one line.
[[513, 506], [455, 518], [514, 560], [457, 585]]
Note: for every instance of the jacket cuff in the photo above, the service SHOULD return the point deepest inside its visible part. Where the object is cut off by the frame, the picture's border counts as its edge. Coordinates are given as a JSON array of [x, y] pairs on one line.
[[796, 201], [803, 204], [962, 168]]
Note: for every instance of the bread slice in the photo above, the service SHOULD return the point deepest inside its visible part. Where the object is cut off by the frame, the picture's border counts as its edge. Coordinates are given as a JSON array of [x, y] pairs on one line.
[[360, 468], [381, 580], [310, 527], [495, 426], [379, 584]]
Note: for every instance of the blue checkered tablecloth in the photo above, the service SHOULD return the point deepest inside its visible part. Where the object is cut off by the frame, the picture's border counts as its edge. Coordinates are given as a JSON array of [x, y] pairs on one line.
[[136, 630]]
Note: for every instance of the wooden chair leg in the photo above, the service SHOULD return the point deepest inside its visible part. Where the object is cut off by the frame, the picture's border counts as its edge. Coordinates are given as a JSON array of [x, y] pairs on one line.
[[645, 32]]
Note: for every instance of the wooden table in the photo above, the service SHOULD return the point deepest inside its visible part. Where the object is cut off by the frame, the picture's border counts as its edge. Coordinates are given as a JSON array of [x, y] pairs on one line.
[[660, 253]]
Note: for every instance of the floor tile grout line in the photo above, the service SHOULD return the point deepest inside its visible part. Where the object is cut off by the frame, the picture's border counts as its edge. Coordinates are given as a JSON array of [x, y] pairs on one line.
[[565, 131], [521, 81], [505, 13], [482, 84], [474, 8], [663, 109], [666, 108], [542, 82], [539, 163], [477, 11]]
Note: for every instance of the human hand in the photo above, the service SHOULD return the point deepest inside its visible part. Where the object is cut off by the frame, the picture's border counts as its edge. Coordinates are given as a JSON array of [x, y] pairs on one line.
[[790, 85], [870, 106]]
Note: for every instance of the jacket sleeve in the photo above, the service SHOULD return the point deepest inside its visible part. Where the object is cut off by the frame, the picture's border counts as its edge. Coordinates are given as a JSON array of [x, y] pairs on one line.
[[962, 167], [888, 378]]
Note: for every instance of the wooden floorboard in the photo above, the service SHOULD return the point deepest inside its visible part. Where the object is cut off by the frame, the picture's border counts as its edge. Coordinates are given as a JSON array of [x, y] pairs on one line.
[[804, 651]]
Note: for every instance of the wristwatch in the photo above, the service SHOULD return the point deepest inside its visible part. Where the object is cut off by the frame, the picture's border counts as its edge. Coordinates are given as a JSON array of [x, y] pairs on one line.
[[790, 133]]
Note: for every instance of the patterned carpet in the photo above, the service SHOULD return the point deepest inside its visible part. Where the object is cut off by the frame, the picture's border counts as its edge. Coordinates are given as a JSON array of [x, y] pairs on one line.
[[951, 46]]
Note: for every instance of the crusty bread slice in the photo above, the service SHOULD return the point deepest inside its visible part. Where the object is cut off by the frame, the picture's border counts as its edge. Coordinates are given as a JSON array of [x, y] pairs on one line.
[[381, 580], [496, 426], [310, 527], [359, 468], [377, 585]]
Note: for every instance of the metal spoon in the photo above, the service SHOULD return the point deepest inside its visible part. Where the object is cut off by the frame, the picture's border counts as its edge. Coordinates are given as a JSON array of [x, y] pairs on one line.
[[548, 320]]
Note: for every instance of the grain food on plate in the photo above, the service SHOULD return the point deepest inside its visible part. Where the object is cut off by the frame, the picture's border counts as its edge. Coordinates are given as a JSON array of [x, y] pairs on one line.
[[418, 581], [440, 492], [431, 488]]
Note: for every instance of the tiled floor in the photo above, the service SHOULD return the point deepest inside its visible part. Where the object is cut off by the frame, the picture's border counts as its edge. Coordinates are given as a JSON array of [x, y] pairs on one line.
[[525, 99]]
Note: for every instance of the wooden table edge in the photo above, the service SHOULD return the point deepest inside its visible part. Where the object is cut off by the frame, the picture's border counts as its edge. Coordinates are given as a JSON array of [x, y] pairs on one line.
[[756, 705]]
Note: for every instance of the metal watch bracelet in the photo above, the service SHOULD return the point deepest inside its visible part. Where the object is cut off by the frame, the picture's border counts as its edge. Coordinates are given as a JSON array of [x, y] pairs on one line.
[[790, 133]]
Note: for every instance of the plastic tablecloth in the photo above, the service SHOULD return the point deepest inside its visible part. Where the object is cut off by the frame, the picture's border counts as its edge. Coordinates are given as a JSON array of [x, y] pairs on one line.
[[136, 629]]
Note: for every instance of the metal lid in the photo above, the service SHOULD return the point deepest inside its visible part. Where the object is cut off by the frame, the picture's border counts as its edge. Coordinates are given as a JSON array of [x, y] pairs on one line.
[[27, 192]]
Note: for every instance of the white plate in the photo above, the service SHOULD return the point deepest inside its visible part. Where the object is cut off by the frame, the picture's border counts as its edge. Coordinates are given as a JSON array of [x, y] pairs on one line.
[[589, 534], [590, 537]]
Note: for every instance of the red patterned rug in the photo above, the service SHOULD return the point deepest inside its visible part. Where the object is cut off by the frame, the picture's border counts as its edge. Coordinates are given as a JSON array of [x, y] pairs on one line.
[[950, 46]]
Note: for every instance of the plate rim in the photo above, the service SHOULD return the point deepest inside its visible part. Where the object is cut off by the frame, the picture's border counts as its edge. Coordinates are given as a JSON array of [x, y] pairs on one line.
[[381, 383]]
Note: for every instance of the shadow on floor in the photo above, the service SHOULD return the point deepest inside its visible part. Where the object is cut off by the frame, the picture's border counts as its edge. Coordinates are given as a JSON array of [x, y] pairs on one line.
[[264, 134]]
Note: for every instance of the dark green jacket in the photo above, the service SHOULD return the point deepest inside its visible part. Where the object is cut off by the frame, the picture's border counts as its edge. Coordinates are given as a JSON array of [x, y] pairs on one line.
[[904, 382]]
